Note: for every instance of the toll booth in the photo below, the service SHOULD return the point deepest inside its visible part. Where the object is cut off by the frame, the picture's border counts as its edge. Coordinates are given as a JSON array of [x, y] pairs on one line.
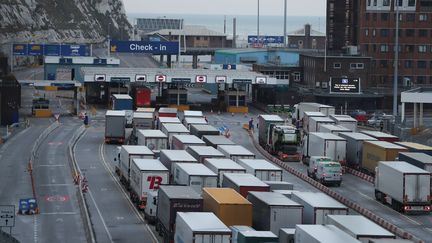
[[176, 93], [40, 108], [235, 95]]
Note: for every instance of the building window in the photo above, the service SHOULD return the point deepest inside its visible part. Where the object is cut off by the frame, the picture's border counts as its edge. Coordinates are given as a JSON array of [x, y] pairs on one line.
[[399, 2], [422, 33], [296, 76], [367, 16], [198, 38], [366, 32], [375, 2], [384, 48], [366, 47], [374, 47], [410, 17], [205, 38], [421, 64], [408, 64], [409, 32], [374, 32], [356, 65], [374, 17], [369, 2], [422, 48], [386, 3], [411, 3], [384, 32], [409, 48], [423, 17], [421, 79], [337, 65], [384, 16]]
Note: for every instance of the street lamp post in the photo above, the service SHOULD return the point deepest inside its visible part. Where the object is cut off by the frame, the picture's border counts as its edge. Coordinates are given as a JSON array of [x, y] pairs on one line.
[[258, 23], [396, 62], [285, 24]]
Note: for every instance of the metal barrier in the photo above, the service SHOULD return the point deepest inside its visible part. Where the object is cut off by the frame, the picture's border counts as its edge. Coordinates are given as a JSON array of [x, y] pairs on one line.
[[82, 203], [356, 207]]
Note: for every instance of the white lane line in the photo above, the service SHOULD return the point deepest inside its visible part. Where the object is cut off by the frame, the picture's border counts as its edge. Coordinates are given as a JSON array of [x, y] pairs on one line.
[[35, 229], [428, 229], [59, 213], [56, 185], [50, 165], [125, 195], [100, 216]]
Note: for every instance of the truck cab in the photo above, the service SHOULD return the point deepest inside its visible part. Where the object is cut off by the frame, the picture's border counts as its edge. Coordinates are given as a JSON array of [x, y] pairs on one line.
[[324, 170], [284, 141]]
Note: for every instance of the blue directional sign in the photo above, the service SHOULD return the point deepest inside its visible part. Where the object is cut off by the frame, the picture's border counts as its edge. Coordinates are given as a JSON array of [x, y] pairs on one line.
[[75, 50], [100, 61], [52, 50], [35, 49], [20, 49], [266, 39], [162, 47]]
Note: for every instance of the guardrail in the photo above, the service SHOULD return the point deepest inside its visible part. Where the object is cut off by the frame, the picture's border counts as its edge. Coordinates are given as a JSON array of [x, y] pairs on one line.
[[356, 207], [76, 171]]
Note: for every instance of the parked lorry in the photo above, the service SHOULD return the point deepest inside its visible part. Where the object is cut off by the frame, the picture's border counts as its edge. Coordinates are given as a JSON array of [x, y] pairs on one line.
[[345, 121], [324, 170], [272, 211], [279, 185], [151, 207], [421, 160], [359, 227], [173, 199], [171, 129], [381, 136], [201, 130], [188, 121], [123, 102], [306, 119], [416, 147], [324, 144], [287, 235], [190, 113], [375, 151], [146, 110], [167, 112], [262, 169], [243, 183], [354, 147], [163, 120], [143, 120], [303, 107], [126, 155], [195, 175], [182, 142], [200, 227], [254, 236], [215, 141], [331, 128], [155, 140], [317, 205], [141, 96], [236, 152], [115, 123], [322, 234], [228, 205], [169, 157], [146, 175], [277, 138], [221, 166], [405, 187], [316, 122], [202, 152]]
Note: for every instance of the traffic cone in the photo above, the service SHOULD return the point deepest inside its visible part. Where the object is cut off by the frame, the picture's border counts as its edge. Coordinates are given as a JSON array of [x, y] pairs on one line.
[[232, 113]]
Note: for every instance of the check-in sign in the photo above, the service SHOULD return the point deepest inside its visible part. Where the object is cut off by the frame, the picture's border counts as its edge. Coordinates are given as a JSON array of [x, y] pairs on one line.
[[261, 80], [220, 79]]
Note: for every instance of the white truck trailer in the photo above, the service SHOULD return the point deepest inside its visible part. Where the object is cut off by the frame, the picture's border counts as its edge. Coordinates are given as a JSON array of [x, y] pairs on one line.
[[171, 129], [155, 140], [322, 234], [115, 126], [221, 166], [354, 147], [194, 175], [146, 175], [345, 121], [182, 142], [200, 227], [126, 155], [405, 187], [203, 152], [262, 169], [324, 144], [236, 152], [317, 205]]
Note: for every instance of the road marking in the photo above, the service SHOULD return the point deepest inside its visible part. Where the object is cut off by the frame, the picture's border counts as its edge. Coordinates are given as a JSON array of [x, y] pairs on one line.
[[35, 230], [51, 165], [56, 185], [100, 216], [59, 213], [428, 229], [131, 205]]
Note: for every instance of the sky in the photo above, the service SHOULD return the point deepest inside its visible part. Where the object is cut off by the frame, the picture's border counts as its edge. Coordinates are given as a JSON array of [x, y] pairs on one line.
[[227, 7]]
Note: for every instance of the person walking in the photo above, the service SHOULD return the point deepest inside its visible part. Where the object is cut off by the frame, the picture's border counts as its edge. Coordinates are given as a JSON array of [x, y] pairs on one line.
[[251, 127]]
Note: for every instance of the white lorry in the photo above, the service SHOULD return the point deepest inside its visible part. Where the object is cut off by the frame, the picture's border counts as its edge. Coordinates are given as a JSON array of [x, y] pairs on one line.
[[324, 144], [303, 107], [155, 140], [262, 169], [324, 170], [194, 175], [405, 187], [221, 166], [322, 234], [200, 227], [146, 175], [126, 155], [171, 129], [236, 152]]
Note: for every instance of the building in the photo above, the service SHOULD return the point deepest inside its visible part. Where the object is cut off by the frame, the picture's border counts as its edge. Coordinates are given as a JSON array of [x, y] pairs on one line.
[[256, 56], [371, 26], [306, 38], [196, 36], [10, 100], [146, 25]]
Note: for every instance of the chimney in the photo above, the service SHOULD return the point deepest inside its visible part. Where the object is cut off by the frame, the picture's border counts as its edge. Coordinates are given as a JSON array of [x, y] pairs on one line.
[[307, 42], [234, 44]]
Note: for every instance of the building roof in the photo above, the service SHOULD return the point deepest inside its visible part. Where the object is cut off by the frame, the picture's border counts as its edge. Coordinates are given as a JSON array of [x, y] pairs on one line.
[[301, 32], [188, 30]]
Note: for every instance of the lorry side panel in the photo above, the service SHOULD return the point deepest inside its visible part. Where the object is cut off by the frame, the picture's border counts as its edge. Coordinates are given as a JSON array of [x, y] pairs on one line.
[[321, 214]]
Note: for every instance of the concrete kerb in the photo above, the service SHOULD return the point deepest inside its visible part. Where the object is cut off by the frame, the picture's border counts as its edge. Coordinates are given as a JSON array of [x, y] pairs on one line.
[[82, 203], [380, 221], [359, 174]]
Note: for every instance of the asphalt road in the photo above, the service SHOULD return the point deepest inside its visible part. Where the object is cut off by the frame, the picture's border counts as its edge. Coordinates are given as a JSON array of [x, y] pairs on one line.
[[354, 188], [113, 216], [59, 219]]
